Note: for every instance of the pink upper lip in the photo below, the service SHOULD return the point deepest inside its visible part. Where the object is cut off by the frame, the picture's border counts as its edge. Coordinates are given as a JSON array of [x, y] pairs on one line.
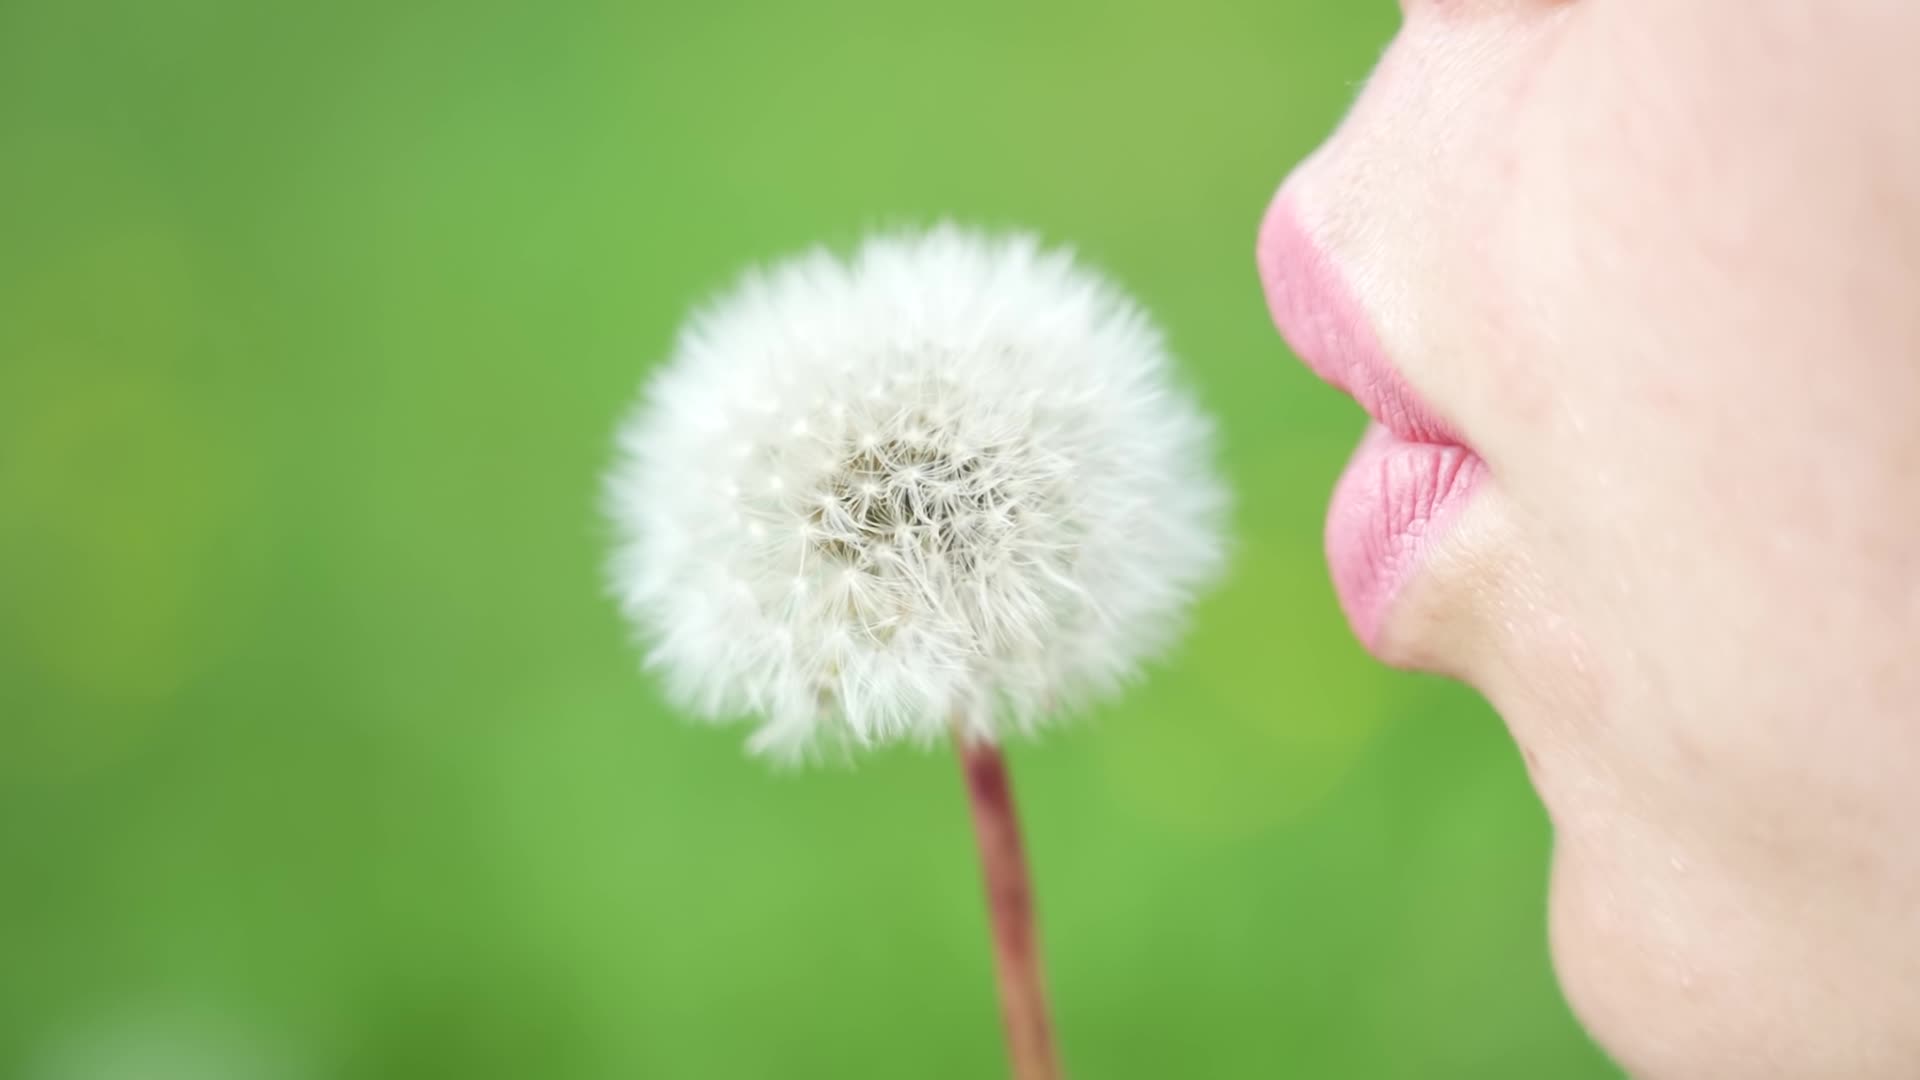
[[1326, 326]]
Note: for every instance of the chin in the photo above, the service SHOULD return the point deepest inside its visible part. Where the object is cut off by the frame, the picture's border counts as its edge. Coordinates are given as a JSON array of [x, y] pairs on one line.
[[1681, 973], [1621, 985]]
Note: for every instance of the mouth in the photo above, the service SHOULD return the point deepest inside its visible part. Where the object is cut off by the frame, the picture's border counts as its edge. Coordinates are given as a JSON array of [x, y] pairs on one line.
[[1411, 473]]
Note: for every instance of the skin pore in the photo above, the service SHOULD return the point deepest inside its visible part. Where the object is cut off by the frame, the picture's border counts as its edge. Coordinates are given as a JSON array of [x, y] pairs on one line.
[[1658, 263]]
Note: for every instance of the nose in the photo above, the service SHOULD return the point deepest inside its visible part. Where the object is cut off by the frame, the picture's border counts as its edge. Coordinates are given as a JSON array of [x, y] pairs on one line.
[[1461, 9]]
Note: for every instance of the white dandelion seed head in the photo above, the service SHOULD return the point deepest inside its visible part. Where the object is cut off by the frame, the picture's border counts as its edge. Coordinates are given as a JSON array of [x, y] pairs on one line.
[[949, 479]]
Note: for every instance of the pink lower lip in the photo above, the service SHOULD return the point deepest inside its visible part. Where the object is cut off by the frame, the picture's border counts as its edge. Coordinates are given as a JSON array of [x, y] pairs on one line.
[[1395, 497], [1410, 473]]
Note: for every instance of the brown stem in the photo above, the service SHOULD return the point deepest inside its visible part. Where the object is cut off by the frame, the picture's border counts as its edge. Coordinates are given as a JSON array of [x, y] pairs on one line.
[[1016, 945]]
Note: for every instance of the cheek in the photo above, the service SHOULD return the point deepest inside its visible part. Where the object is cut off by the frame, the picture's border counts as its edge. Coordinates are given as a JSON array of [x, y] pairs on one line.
[[1701, 385]]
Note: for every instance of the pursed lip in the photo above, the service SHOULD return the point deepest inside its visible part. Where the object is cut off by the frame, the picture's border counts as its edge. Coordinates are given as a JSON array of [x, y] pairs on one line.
[[1411, 472]]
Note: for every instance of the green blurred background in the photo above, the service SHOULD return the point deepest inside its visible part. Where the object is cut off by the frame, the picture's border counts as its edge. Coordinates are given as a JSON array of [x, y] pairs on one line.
[[322, 753]]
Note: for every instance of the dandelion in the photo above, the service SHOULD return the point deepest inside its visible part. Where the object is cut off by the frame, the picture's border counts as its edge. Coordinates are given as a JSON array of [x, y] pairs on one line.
[[948, 487]]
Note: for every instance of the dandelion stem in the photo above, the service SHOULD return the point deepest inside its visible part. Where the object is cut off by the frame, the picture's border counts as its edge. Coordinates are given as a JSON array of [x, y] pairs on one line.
[[1016, 943]]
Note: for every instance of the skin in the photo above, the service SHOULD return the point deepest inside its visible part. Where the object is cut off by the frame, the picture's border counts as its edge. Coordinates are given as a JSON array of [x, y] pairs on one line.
[[1658, 262]]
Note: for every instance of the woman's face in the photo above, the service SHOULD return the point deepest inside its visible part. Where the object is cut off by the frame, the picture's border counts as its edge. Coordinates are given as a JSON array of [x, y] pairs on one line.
[[1655, 266]]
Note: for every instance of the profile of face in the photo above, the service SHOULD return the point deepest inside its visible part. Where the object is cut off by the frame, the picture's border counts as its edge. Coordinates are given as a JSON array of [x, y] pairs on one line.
[[1632, 291]]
